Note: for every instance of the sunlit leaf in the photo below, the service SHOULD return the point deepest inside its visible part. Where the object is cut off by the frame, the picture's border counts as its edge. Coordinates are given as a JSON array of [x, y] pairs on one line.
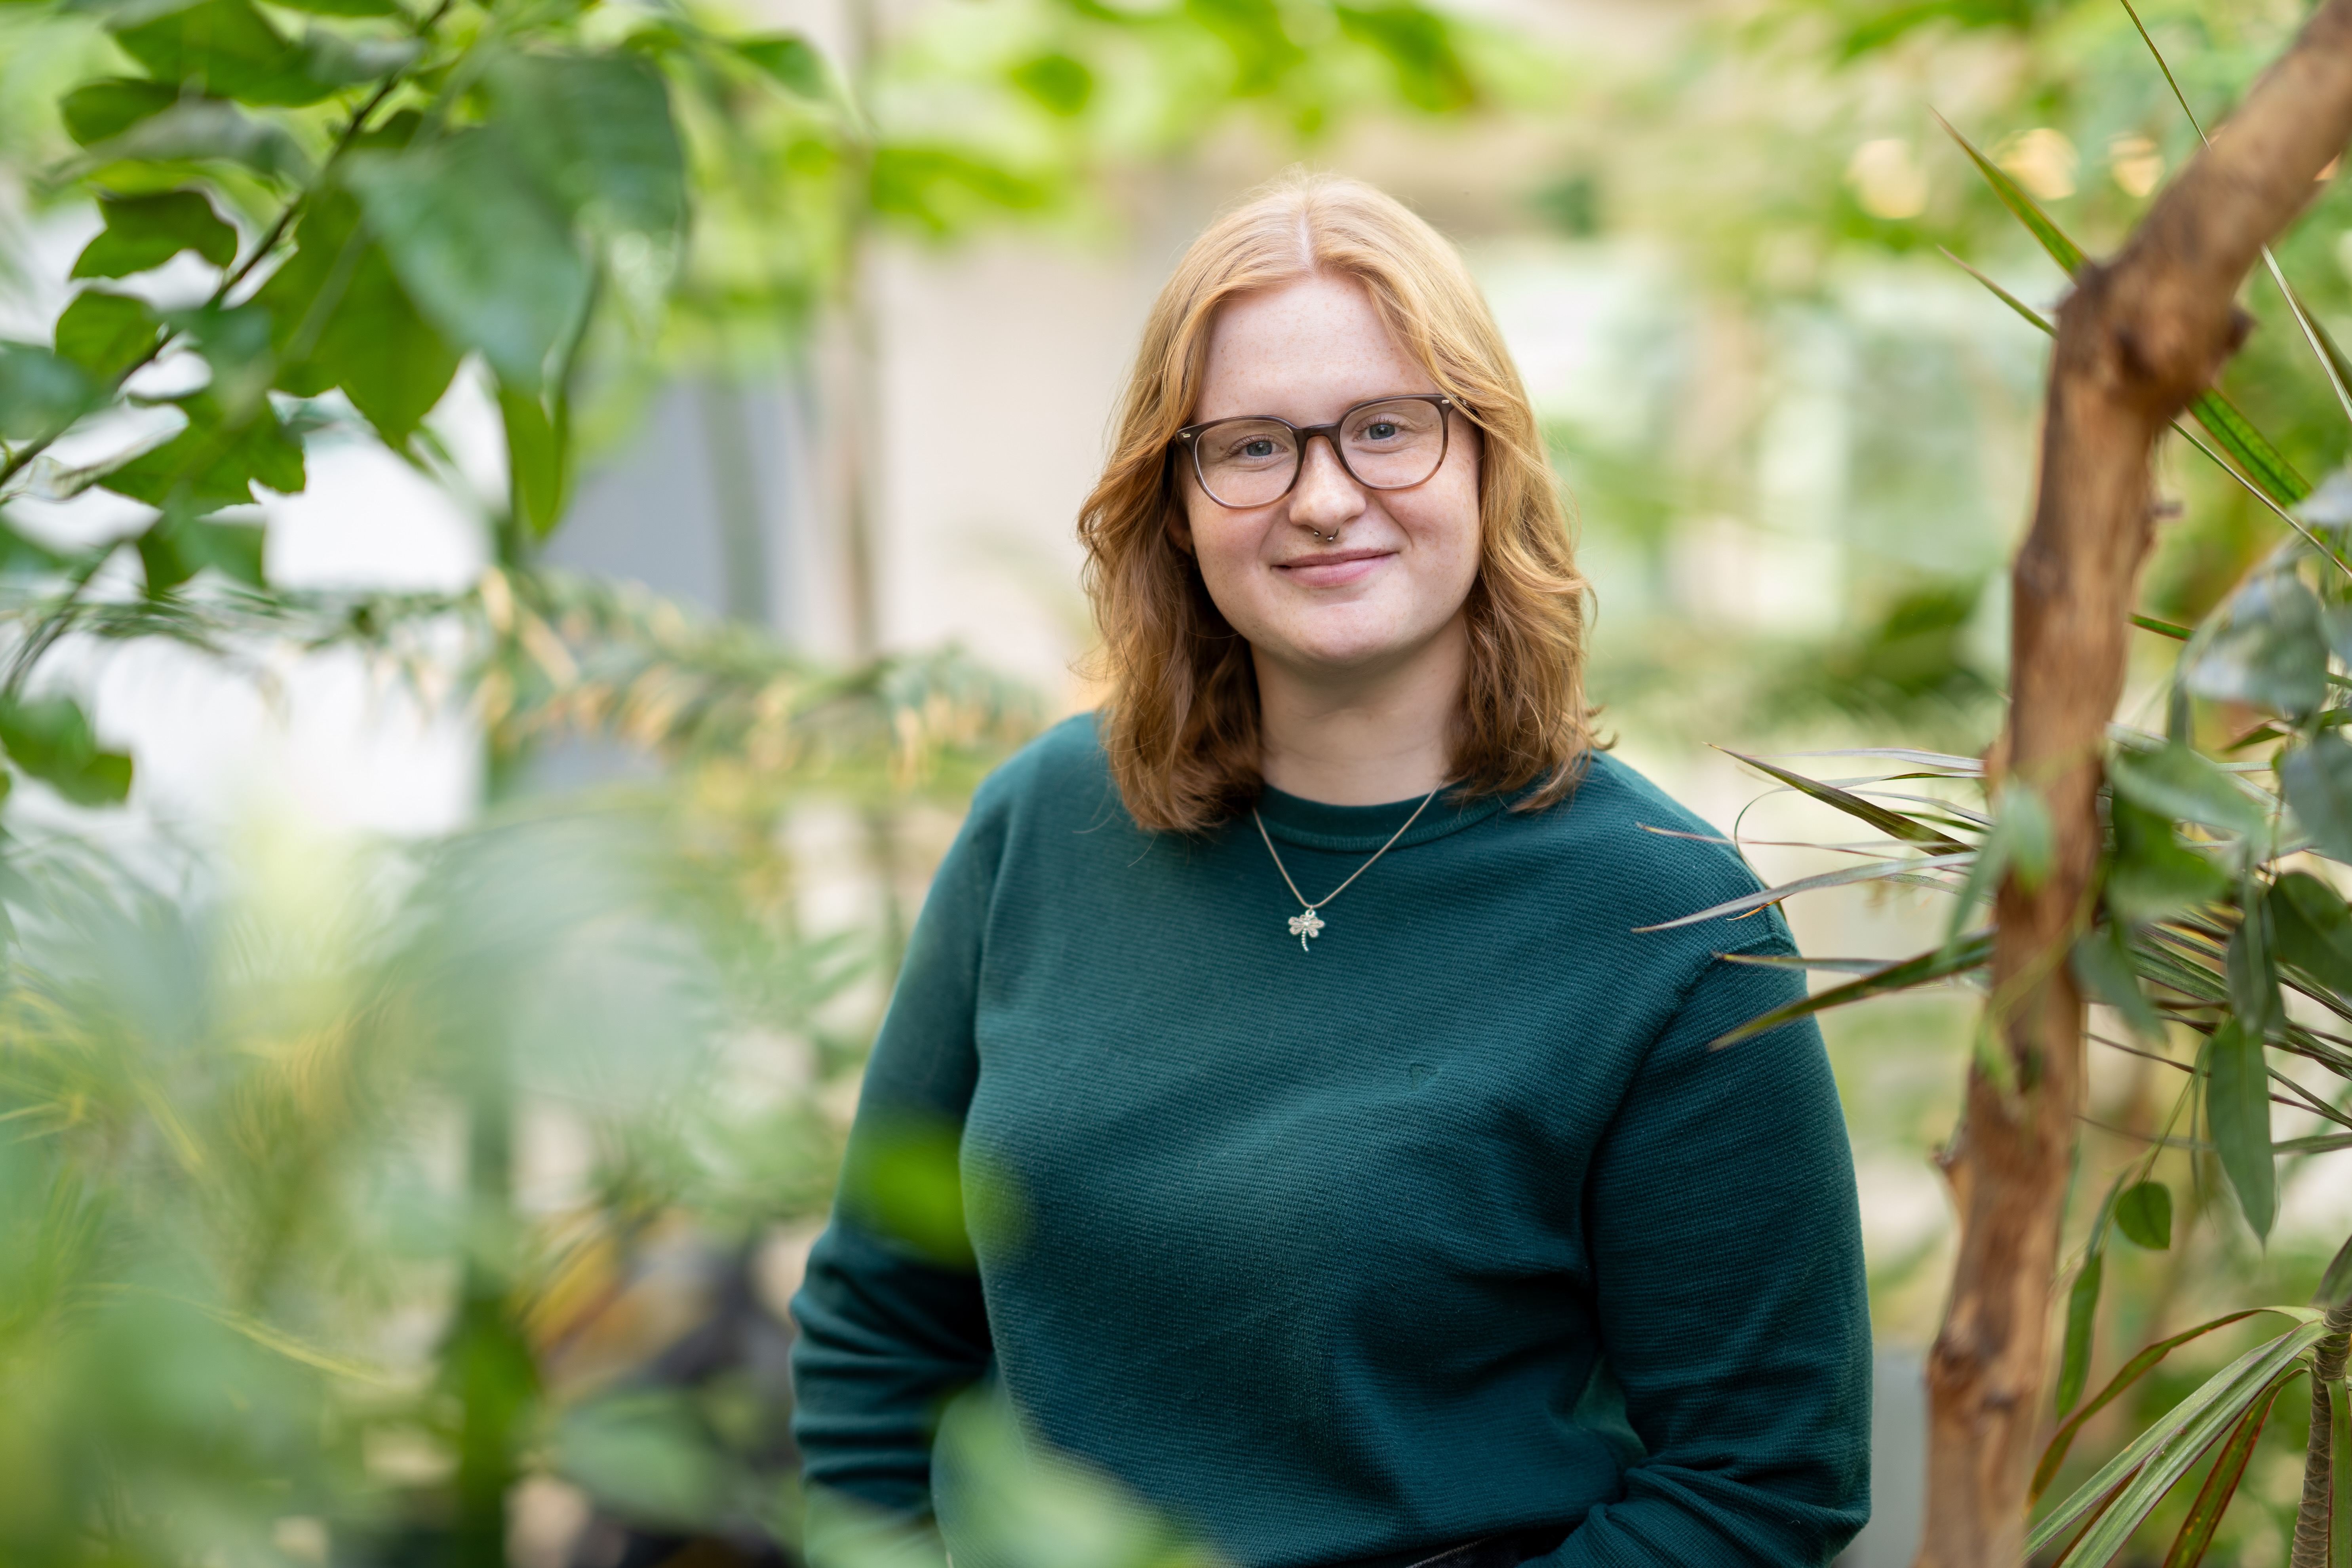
[[1419, 46], [2144, 1214], [2262, 648], [2062, 250], [1058, 83], [941, 189], [2238, 1110]]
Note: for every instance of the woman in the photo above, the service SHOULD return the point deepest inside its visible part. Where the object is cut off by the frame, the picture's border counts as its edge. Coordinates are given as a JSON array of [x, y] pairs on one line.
[[1344, 1171]]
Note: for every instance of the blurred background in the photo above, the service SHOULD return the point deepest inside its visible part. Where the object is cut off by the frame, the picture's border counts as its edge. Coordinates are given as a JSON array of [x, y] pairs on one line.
[[637, 809]]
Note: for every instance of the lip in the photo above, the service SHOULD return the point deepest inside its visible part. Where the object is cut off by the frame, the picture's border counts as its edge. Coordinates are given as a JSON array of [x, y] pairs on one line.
[[1333, 568]]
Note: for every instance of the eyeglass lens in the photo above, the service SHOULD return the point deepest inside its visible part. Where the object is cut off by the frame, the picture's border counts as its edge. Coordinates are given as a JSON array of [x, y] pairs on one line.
[[1386, 445]]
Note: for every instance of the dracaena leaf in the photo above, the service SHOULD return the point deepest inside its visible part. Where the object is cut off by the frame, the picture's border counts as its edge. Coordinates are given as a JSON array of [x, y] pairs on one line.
[[2082, 1314], [2102, 961], [2311, 929], [2153, 875], [2238, 1111]]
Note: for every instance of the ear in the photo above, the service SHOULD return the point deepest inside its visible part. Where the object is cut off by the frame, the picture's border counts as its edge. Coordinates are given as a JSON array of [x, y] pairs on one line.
[[1180, 528]]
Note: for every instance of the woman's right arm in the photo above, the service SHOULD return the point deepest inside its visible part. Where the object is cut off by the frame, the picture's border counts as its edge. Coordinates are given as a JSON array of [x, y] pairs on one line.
[[891, 1322]]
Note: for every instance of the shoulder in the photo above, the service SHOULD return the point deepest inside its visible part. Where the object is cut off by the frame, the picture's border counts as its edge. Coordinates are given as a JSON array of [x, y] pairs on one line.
[[1622, 841], [1062, 777]]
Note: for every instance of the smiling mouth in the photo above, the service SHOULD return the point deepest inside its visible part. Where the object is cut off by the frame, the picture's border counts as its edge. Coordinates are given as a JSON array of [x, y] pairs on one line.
[[1330, 558]]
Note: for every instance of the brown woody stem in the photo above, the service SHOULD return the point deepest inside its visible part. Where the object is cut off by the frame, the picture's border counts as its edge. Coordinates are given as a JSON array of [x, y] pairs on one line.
[[2138, 338]]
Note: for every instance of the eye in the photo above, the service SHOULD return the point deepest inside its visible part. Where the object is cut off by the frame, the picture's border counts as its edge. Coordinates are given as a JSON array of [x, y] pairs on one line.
[[1381, 430], [1258, 447]]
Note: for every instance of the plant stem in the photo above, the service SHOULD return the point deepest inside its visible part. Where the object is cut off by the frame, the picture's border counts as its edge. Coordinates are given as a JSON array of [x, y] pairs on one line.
[[2314, 1517]]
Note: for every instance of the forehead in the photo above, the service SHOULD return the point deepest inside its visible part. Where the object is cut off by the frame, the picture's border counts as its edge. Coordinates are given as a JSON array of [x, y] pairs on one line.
[[1305, 353]]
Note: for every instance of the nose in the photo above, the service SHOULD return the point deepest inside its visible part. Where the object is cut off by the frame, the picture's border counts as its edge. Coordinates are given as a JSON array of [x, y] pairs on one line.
[[1325, 498]]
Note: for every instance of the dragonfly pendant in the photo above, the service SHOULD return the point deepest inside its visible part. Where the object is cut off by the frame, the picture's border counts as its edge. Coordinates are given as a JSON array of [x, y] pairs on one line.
[[1304, 925]]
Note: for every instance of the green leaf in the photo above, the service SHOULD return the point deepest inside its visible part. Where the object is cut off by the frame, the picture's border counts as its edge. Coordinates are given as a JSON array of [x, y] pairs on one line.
[[235, 341], [101, 110], [1058, 83], [50, 739], [1892, 823], [107, 334], [595, 130], [2129, 1485], [1419, 46], [41, 392], [338, 317], [342, 7], [2311, 929], [2130, 1372], [175, 548], [789, 61], [1878, 871], [2317, 779], [2153, 875], [2262, 462], [2175, 782], [2262, 648], [2336, 1283], [215, 461], [223, 48], [486, 253], [141, 232], [2189, 1547], [1927, 968], [2082, 1315], [203, 130], [2144, 1214], [2251, 972], [943, 189], [2103, 963], [2062, 250], [334, 61], [538, 459], [21, 556], [2238, 1108]]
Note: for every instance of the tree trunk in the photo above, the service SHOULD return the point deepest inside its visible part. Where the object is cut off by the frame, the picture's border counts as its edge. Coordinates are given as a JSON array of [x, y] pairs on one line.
[[2137, 340]]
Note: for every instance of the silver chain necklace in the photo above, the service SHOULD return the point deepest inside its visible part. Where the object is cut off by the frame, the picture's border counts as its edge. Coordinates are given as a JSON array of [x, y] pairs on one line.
[[1306, 923]]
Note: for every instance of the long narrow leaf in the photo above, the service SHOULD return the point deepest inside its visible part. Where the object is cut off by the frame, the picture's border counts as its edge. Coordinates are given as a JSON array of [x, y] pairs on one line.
[[2032, 315], [1892, 823], [1972, 953], [2196, 1535], [2132, 1371], [1757, 900], [2262, 462], [2157, 1460], [1941, 761], [2062, 250]]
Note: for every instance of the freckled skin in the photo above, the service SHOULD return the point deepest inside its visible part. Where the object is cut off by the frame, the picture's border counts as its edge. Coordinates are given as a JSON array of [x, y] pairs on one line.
[[1359, 664]]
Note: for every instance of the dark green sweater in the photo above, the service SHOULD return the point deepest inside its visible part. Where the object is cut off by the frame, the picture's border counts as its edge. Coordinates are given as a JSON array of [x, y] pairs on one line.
[[1450, 1226]]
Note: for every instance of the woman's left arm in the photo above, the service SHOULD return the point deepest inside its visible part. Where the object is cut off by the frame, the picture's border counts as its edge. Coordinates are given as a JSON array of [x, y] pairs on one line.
[[1727, 1253]]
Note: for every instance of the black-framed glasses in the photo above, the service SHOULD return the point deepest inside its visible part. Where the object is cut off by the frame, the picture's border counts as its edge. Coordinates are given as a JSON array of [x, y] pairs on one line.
[[1388, 444]]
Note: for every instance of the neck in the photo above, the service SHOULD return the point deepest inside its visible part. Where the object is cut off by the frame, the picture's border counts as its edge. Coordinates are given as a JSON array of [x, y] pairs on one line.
[[1363, 737]]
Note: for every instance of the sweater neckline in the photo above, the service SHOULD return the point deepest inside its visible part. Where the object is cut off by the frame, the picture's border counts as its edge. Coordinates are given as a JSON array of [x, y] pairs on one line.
[[1358, 829]]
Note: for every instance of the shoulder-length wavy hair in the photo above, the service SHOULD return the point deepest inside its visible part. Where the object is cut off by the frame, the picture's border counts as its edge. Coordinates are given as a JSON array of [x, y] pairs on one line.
[[1181, 720]]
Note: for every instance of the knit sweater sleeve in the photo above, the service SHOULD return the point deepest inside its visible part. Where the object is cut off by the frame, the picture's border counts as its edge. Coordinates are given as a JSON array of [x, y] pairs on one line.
[[1727, 1253], [890, 1318]]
